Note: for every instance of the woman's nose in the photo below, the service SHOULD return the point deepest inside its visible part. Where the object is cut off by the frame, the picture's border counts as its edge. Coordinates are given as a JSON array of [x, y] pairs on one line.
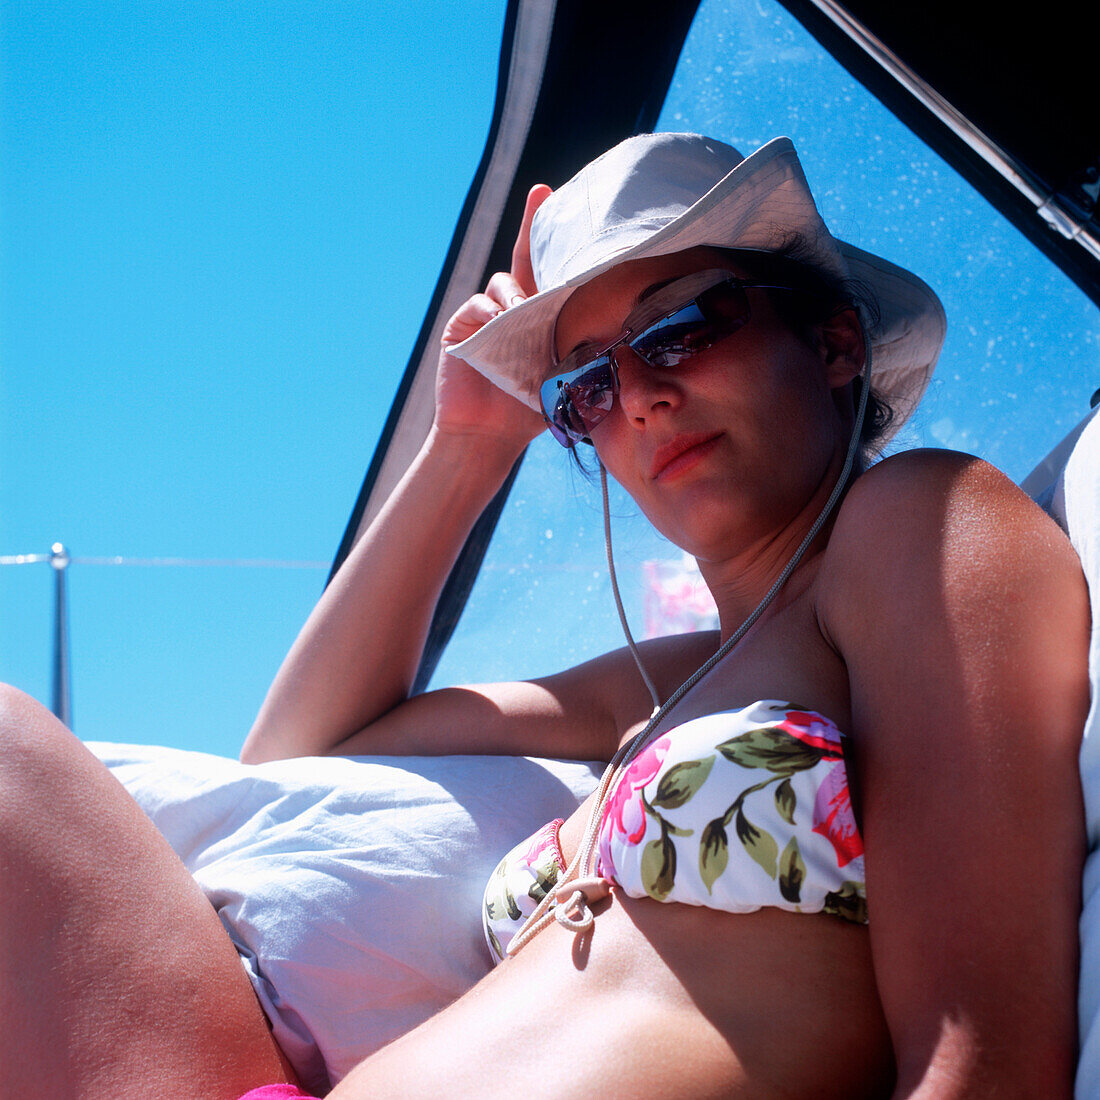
[[643, 389]]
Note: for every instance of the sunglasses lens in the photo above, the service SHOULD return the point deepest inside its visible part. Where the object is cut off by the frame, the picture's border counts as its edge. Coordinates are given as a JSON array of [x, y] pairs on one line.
[[576, 402], [712, 316]]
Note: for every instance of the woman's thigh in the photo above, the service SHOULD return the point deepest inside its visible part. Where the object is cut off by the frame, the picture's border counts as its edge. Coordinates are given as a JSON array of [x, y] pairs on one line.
[[116, 976], [660, 1001]]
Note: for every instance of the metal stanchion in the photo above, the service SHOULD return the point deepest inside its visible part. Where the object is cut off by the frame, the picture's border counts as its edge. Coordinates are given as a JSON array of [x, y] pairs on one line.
[[62, 693]]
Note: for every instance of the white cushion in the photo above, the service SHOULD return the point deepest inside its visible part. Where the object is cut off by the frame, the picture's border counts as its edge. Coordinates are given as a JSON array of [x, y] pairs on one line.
[[352, 887], [1068, 485]]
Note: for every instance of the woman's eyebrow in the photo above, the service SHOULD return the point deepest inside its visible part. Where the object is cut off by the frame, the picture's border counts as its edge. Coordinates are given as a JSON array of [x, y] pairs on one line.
[[648, 292], [653, 288]]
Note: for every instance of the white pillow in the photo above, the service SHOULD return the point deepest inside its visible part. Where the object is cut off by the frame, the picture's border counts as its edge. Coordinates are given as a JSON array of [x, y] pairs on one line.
[[1082, 496], [351, 887]]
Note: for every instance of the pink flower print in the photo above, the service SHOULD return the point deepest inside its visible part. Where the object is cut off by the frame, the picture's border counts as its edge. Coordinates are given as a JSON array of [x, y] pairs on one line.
[[546, 838], [812, 729], [625, 815], [833, 817]]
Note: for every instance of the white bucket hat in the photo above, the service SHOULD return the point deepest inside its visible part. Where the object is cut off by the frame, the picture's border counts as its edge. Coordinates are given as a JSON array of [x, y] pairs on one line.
[[660, 193]]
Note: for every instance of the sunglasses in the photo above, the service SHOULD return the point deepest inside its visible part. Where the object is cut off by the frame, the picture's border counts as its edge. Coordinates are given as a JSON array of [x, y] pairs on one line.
[[680, 320]]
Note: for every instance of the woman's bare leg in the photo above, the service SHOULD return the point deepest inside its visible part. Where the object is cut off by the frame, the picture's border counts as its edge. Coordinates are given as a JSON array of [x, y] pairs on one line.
[[116, 976]]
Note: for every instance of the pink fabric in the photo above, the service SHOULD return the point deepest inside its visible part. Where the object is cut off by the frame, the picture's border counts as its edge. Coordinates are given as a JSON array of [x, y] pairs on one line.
[[277, 1092]]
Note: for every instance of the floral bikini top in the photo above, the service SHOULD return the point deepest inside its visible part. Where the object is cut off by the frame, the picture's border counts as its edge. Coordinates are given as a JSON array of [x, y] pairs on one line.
[[734, 811]]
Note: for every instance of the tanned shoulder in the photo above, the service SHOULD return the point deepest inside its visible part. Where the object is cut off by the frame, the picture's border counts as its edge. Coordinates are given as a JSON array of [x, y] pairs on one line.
[[910, 509], [960, 612], [938, 532]]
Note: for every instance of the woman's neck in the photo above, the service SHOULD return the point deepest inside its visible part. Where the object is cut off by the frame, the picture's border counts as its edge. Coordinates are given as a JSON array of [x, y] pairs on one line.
[[738, 584]]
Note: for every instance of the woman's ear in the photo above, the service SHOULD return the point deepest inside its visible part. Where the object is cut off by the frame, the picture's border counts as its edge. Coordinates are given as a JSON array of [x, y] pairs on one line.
[[840, 342]]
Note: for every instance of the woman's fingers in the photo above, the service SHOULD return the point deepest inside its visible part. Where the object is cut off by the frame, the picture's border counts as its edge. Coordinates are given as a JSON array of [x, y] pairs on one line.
[[521, 253], [477, 311], [502, 292], [466, 400], [506, 288]]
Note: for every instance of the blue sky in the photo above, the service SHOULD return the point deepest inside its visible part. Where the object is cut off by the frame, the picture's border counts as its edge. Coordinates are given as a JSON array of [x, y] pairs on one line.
[[220, 226]]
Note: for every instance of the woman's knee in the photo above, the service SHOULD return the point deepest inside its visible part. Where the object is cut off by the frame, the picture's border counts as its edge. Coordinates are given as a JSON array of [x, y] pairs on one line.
[[20, 713], [24, 719], [36, 752]]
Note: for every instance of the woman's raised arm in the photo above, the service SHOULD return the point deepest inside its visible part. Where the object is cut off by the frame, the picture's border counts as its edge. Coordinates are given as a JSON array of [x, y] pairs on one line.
[[357, 654]]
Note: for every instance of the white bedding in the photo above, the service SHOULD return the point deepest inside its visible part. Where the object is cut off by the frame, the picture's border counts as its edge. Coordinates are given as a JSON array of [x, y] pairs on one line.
[[1082, 503], [352, 887]]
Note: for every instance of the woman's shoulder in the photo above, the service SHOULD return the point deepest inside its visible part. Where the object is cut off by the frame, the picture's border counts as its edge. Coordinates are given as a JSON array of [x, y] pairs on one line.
[[959, 610], [938, 523], [936, 496], [926, 476]]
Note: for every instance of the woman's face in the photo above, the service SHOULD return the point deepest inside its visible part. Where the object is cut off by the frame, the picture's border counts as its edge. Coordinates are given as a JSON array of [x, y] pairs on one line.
[[730, 446]]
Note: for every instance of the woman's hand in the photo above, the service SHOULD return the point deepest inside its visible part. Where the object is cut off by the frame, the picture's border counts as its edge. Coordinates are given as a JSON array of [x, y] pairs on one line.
[[467, 403]]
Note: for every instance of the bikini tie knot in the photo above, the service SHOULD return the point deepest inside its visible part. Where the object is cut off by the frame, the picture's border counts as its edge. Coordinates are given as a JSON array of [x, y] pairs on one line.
[[574, 899]]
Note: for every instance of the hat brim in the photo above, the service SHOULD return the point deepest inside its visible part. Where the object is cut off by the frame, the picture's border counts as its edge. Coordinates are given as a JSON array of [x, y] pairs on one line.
[[763, 203]]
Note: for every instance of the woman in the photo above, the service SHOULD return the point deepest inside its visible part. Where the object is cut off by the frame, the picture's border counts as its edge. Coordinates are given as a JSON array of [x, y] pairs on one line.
[[935, 616]]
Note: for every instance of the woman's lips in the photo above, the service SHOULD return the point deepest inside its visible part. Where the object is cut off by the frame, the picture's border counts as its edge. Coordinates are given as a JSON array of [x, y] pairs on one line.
[[680, 454]]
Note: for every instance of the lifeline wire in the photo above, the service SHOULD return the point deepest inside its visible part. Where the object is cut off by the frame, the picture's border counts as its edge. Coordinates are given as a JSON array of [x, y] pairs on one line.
[[218, 563], [557, 904]]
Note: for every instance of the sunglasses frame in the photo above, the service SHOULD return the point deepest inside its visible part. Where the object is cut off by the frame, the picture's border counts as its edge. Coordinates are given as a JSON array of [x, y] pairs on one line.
[[649, 315]]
